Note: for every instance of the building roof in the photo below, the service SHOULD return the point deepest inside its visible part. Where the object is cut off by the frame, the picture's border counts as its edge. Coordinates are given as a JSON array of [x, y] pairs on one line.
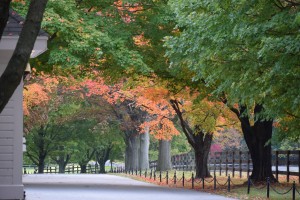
[[15, 25]]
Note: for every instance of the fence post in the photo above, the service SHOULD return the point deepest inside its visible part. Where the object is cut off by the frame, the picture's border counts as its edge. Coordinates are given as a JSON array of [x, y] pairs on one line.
[[268, 187], [193, 180], [136, 172], [248, 164], [294, 190], [226, 163], [215, 164], [140, 172], [146, 173], [159, 176], [167, 177], [249, 184], [151, 174], [175, 177], [288, 166], [233, 167], [215, 181], [220, 162], [203, 182], [183, 179], [276, 162], [240, 156], [228, 188]]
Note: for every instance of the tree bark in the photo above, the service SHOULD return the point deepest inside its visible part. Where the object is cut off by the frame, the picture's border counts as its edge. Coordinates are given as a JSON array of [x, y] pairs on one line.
[[82, 168], [144, 150], [164, 156], [258, 138], [13, 73], [201, 154], [132, 151], [4, 15], [84, 161], [41, 165], [102, 156]]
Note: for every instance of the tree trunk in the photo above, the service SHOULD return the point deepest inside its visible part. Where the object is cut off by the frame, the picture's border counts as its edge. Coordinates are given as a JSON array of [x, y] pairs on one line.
[[82, 168], [132, 152], [41, 164], [102, 156], [4, 15], [12, 76], [62, 162], [144, 150], [128, 156], [164, 156], [200, 142], [201, 155], [84, 160], [258, 138], [102, 167]]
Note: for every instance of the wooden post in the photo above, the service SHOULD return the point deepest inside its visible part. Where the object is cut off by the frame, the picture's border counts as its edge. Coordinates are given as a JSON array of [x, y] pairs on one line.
[[193, 180], [233, 164], [276, 162], [240, 157], [226, 164], [220, 161], [288, 166], [215, 164], [248, 164]]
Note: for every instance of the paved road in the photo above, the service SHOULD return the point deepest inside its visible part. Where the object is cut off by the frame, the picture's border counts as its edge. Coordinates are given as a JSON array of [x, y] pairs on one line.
[[103, 187]]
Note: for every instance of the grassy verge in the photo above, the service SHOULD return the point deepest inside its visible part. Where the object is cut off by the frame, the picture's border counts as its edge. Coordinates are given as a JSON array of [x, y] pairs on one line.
[[238, 186]]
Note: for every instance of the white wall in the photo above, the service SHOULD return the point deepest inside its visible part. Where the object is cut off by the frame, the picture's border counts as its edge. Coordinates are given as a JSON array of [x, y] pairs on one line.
[[11, 134]]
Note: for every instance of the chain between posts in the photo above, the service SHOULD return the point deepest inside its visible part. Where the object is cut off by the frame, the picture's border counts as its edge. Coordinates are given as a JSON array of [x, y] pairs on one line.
[[214, 180]]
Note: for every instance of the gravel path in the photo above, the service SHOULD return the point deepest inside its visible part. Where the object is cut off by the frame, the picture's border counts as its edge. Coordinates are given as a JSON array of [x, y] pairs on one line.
[[103, 187]]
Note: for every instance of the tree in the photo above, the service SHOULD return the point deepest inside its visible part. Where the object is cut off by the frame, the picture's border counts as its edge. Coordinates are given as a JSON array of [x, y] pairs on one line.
[[246, 53], [109, 139], [13, 74]]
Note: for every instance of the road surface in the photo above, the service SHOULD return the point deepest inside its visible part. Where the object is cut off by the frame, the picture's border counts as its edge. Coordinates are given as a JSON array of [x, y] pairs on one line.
[[102, 187]]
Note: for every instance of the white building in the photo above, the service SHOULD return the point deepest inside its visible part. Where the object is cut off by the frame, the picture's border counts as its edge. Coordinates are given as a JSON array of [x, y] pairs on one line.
[[11, 118]]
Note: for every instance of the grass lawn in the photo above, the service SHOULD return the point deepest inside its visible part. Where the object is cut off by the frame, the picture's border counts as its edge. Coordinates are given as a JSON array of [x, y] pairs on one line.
[[238, 187]]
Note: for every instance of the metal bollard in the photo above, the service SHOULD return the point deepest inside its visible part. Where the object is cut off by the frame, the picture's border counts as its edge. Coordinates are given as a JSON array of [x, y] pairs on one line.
[[203, 182], [167, 177], [294, 190], [215, 181], [154, 176], [249, 184], [183, 179], [159, 176], [193, 180], [228, 188], [268, 187], [175, 177]]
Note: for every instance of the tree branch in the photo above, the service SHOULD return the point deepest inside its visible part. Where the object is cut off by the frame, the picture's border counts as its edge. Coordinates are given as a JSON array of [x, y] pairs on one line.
[[4, 15], [13, 73], [185, 127]]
